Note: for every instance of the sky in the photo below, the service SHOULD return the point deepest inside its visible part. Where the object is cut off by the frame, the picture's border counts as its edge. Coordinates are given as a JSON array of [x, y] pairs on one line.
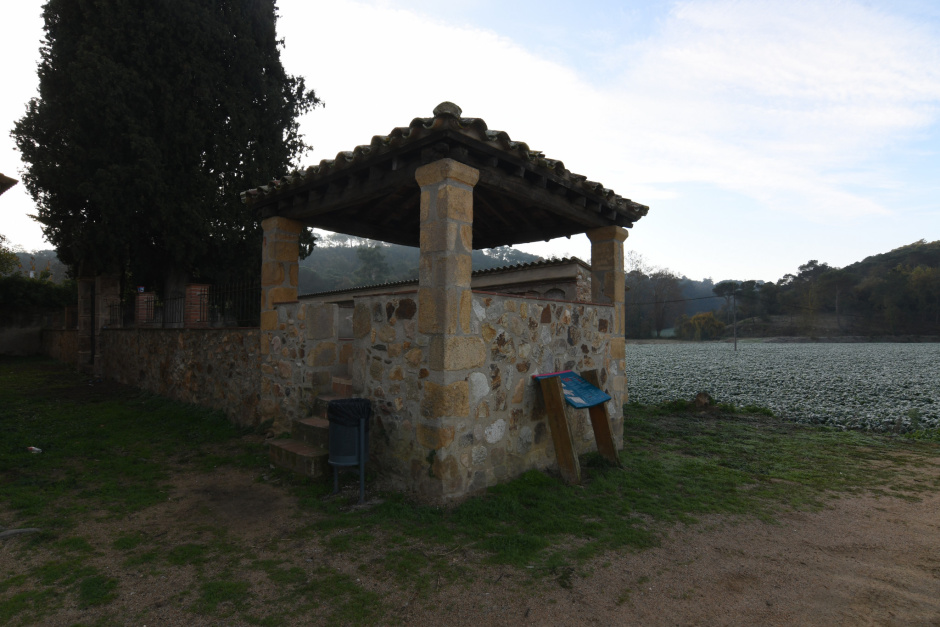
[[760, 134]]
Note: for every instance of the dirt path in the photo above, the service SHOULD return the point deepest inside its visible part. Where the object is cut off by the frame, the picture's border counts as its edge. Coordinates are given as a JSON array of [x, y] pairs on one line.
[[862, 561], [865, 561]]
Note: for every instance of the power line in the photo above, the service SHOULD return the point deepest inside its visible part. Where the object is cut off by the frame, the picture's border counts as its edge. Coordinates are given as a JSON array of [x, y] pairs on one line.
[[681, 300]]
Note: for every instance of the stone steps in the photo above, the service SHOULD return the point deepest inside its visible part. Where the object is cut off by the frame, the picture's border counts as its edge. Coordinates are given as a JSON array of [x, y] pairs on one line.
[[299, 457], [314, 431], [307, 451]]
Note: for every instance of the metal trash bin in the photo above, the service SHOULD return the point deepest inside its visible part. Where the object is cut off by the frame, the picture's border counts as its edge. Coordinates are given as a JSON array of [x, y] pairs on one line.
[[349, 437]]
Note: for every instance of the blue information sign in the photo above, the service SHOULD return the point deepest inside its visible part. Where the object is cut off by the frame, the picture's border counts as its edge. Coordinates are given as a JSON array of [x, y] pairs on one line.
[[578, 392]]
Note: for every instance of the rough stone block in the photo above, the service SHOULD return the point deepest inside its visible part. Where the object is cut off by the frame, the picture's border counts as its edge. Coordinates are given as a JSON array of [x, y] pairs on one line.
[[466, 307], [322, 354], [281, 224], [438, 237], [434, 437], [294, 274], [466, 237], [456, 353], [428, 320], [268, 322], [322, 321], [443, 169], [286, 251], [386, 333], [272, 273], [414, 357], [425, 205], [614, 286], [617, 348], [362, 321], [455, 203], [407, 308], [445, 400], [607, 233], [281, 295]]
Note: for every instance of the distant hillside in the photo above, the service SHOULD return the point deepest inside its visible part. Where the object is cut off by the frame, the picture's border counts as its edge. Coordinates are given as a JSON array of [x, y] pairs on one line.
[[892, 293], [343, 261]]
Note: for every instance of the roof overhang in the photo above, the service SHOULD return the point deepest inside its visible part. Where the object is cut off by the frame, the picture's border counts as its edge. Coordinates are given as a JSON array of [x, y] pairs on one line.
[[6, 183], [371, 191]]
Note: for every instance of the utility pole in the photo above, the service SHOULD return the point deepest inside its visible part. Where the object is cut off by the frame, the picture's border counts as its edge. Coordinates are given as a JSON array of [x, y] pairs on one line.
[[734, 312]]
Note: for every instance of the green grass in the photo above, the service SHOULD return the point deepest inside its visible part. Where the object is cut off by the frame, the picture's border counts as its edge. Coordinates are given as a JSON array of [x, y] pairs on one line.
[[677, 466], [109, 454], [96, 590]]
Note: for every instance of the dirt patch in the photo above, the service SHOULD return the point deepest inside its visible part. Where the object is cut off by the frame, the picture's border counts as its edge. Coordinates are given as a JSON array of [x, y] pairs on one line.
[[862, 560]]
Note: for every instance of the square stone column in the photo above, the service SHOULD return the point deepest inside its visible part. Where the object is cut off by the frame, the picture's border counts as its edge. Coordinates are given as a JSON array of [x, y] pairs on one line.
[[445, 304], [196, 306], [86, 333], [280, 252], [607, 276], [607, 287]]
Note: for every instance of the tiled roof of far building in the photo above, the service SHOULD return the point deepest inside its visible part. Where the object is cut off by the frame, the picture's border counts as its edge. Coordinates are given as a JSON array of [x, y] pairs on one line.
[[532, 265]]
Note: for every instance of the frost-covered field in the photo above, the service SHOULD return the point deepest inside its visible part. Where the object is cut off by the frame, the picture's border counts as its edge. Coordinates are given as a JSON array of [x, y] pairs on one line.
[[861, 386]]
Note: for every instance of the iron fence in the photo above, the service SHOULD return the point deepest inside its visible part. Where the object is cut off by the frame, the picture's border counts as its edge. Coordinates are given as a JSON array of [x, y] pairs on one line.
[[218, 306], [233, 305]]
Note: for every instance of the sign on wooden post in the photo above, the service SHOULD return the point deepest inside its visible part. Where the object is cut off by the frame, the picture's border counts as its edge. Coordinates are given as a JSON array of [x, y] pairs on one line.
[[561, 387], [568, 462]]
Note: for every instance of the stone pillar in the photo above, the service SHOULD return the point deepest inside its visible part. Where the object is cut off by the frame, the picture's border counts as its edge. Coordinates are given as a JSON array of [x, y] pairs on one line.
[[445, 303], [607, 287], [280, 252], [322, 345], [279, 267], [196, 306], [607, 276], [86, 297], [107, 294], [143, 308]]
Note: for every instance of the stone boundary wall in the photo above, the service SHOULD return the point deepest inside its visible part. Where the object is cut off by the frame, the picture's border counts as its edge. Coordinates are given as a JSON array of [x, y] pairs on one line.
[[215, 368], [61, 345], [506, 433], [299, 357]]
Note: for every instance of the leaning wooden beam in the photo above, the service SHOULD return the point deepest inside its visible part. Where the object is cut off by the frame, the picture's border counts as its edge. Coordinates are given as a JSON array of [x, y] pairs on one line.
[[561, 434], [600, 421]]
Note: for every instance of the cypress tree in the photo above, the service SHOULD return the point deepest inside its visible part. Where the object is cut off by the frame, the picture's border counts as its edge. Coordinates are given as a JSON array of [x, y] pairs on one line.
[[151, 118]]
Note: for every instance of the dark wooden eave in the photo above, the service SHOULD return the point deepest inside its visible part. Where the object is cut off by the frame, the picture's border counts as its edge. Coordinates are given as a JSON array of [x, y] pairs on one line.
[[6, 183], [371, 191]]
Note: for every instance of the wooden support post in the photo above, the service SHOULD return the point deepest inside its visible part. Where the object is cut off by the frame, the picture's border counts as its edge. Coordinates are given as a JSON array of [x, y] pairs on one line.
[[561, 434], [600, 421]]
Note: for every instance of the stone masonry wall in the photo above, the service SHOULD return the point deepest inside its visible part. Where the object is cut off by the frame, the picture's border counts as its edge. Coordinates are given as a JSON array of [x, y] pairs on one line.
[[216, 368], [506, 433], [60, 344], [299, 356]]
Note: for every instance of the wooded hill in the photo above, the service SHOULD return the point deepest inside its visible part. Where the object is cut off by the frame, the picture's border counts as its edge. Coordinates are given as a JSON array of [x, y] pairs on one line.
[[344, 261], [893, 293]]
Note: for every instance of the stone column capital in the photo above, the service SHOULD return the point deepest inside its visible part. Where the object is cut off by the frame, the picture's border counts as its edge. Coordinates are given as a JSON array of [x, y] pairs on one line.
[[607, 233], [444, 169], [279, 223]]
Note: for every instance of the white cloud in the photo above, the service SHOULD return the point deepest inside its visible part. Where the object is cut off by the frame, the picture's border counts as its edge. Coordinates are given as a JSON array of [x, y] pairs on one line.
[[775, 100], [790, 106]]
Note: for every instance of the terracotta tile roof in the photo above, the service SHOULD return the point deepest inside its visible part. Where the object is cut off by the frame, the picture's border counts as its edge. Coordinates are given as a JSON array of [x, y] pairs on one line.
[[448, 119], [6, 183]]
